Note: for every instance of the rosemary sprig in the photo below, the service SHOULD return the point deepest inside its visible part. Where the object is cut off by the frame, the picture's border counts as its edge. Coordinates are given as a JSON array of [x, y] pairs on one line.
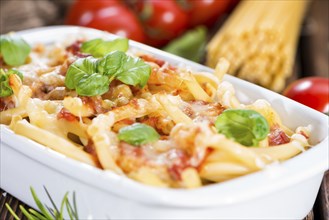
[[47, 213]]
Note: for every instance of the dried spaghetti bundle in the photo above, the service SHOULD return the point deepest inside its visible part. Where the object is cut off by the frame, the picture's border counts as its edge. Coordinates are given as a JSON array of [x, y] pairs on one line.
[[259, 39]]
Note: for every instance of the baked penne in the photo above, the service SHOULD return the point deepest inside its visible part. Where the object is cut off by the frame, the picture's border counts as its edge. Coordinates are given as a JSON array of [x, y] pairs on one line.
[[139, 116]]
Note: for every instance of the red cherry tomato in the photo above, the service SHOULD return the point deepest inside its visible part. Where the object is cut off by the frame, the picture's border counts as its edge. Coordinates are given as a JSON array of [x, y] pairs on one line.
[[205, 12], [163, 20], [107, 15], [310, 91]]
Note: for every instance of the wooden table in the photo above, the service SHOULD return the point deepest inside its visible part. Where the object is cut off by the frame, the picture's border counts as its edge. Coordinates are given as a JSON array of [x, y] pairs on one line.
[[312, 59]]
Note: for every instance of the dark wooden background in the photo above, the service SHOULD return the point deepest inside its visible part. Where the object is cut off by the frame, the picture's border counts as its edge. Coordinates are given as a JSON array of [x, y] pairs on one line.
[[311, 60]]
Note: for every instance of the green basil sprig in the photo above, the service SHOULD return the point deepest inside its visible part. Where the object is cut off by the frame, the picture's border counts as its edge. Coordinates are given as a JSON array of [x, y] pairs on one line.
[[129, 70], [99, 47], [138, 134], [14, 49], [6, 90], [90, 76], [246, 127], [84, 78]]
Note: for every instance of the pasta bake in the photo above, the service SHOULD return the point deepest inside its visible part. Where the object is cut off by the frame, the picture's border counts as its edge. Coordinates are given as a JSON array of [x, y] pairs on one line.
[[98, 102]]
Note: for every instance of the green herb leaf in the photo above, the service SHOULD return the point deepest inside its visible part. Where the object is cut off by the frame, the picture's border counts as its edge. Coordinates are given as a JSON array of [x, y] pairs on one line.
[[26, 213], [52, 213], [79, 69], [55, 209], [74, 209], [127, 69], [191, 45], [12, 212], [247, 127], [90, 76], [37, 215], [41, 207], [99, 47], [82, 76], [64, 201], [6, 90], [14, 49], [138, 134], [13, 71], [94, 84]]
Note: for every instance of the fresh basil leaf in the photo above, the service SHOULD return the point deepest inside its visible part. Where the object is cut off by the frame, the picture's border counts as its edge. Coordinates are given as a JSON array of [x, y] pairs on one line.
[[14, 49], [6, 90], [191, 45], [111, 64], [138, 134], [246, 127], [90, 46], [82, 76], [99, 47], [127, 69], [92, 85], [90, 76], [80, 69], [135, 72]]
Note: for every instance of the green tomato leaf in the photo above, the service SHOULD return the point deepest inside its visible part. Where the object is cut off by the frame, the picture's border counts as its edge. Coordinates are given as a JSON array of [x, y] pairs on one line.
[[99, 47], [14, 49], [127, 69], [6, 90], [138, 134], [92, 85], [246, 127], [191, 45]]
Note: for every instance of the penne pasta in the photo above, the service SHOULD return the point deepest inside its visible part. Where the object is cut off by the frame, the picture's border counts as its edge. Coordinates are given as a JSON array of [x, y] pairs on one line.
[[52, 141]]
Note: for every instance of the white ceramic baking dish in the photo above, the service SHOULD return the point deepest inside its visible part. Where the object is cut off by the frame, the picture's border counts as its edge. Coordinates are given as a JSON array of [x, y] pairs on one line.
[[281, 191]]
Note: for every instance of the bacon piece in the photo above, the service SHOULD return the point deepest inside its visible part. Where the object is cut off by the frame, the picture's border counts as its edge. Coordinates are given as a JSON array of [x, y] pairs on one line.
[[95, 103], [206, 109], [277, 136], [179, 161], [75, 49], [90, 148], [149, 58], [122, 123], [6, 103], [65, 114], [203, 111], [132, 157]]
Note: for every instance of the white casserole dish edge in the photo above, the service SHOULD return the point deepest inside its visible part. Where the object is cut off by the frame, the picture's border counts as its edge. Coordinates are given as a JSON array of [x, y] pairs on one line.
[[283, 191]]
